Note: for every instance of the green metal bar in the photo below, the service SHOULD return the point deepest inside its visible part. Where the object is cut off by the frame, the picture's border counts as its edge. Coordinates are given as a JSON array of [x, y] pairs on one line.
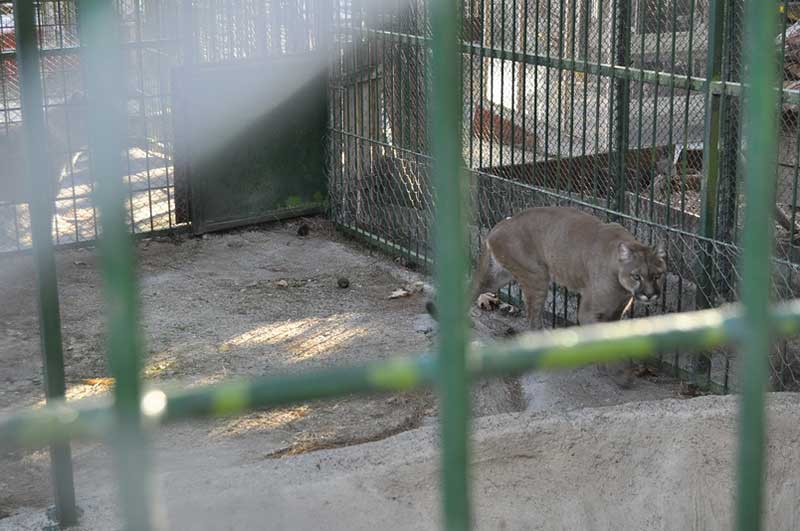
[[757, 239], [622, 97], [551, 349], [711, 150], [640, 120], [711, 167], [668, 79], [597, 94], [452, 252], [727, 225], [41, 209], [502, 105], [106, 89]]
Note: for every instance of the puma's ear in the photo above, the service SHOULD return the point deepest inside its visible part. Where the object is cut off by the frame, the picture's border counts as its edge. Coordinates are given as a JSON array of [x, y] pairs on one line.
[[661, 250], [625, 253]]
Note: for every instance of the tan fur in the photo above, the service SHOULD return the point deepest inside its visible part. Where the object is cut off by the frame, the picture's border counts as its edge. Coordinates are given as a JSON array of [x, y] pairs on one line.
[[601, 261]]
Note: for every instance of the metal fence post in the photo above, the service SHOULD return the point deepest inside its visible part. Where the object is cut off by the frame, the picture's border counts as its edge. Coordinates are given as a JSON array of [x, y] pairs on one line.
[[727, 217], [444, 125], [760, 127], [622, 99], [41, 207], [104, 65], [710, 182]]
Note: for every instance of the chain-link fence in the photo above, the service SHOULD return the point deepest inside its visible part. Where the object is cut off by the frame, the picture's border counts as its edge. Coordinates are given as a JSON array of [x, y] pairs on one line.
[[621, 108]]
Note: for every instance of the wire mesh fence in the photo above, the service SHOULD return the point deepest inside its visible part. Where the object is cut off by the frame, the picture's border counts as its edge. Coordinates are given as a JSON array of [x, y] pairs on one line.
[[157, 36], [614, 107]]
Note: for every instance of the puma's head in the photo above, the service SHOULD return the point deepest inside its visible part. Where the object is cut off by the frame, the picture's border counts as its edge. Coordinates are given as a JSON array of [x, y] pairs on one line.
[[641, 269]]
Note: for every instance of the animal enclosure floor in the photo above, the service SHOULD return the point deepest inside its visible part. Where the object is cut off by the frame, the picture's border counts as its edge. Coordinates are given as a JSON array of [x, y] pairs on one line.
[[244, 303]]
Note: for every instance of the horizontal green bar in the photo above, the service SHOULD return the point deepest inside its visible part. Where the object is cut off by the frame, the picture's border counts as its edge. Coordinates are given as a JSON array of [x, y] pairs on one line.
[[551, 349], [667, 79], [75, 50]]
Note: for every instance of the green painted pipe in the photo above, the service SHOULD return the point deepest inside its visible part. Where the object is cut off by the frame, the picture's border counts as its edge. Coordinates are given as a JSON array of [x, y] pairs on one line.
[[760, 131], [107, 95]]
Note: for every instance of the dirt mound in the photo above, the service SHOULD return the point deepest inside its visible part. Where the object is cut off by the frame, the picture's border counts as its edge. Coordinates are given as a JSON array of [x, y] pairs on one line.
[[652, 465]]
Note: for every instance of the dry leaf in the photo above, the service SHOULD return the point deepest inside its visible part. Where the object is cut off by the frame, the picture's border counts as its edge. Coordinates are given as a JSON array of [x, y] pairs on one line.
[[398, 293], [99, 381]]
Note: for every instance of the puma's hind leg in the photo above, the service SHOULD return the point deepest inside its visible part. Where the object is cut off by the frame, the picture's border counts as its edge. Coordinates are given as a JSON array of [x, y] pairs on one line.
[[534, 289], [489, 276]]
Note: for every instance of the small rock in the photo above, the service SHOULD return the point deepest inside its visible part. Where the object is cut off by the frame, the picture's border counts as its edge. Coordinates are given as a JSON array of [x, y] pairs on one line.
[[252, 285], [282, 284], [303, 230], [79, 263], [343, 282]]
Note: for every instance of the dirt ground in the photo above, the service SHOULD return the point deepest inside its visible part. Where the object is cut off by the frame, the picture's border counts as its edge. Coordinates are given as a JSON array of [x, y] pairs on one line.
[[644, 466], [255, 301]]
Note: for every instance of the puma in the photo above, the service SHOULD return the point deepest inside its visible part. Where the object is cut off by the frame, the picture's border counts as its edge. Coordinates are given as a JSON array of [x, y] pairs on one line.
[[601, 261]]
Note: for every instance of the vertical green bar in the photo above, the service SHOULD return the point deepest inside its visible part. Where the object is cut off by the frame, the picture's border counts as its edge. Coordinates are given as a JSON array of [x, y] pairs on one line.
[[105, 81], [38, 172], [451, 256], [757, 237], [711, 167], [622, 99], [708, 212]]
